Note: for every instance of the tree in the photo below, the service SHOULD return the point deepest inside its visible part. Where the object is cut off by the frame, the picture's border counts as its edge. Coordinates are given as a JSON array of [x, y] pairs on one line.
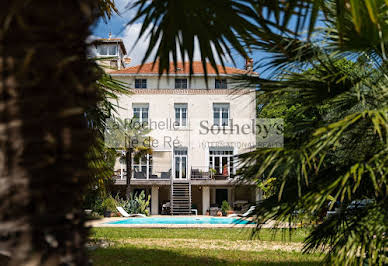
[[129, 136], [341, 152], [101, 157], [47, 84]]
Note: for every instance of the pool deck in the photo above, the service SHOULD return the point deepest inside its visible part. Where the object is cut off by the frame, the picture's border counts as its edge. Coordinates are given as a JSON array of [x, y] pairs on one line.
[[104, 223]]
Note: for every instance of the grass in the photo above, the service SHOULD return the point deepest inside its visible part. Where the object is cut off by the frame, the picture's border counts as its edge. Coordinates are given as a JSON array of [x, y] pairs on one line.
[[199, 233], [131, 246]]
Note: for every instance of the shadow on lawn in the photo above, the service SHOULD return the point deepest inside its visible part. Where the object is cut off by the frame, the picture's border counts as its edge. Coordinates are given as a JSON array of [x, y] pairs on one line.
[[128, 255]]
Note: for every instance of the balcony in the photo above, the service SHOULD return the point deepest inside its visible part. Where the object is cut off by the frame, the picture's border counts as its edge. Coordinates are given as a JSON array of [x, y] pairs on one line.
[[150, 167], [120, 176], [208, 173]]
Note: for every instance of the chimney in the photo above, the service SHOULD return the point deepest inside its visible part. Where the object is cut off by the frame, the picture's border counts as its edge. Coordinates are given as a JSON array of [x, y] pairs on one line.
[[127, 60], [249, 64]]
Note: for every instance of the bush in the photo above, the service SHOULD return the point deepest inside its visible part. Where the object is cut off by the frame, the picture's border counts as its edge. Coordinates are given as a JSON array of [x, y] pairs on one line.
[[109, 204], [135, 203]]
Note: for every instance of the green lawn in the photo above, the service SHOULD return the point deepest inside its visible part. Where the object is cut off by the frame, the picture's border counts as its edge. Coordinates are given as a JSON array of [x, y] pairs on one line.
[[198, 233], [130, 246]]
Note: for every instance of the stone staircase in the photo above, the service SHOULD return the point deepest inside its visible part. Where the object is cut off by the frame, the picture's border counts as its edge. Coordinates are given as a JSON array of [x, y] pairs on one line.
[[180, 197]]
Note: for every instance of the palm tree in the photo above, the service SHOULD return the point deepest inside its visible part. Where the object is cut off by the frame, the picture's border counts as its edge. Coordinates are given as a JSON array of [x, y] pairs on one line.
[[101, 157], [129, 136], [47, 84], [339, 86]]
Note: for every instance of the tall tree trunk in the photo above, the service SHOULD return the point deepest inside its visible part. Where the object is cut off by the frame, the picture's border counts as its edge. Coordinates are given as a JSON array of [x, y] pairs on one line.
[[46, 85], [128, 159]]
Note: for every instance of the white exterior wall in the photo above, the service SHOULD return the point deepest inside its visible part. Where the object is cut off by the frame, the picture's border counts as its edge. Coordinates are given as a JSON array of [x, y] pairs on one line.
[[199, 108], [153, 82]]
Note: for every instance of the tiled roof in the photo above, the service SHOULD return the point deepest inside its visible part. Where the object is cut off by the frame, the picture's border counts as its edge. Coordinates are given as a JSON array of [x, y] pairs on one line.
[[182, 68]]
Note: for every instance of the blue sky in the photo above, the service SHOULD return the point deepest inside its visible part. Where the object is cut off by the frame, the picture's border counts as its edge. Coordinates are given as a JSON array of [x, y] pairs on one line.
[[117, 26]]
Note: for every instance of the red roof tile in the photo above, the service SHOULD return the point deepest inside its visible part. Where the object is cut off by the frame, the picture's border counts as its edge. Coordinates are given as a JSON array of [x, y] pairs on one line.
[[182, 68]]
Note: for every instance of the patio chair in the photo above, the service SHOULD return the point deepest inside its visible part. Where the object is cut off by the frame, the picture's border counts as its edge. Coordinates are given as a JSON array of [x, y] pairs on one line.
[[246, 214], [125, 214]]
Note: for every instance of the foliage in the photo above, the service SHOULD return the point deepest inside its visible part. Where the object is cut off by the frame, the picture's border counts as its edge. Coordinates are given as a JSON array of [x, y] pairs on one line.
[[225, 207], [268, 186], [338, 151], [130, 136], [252, 24], [135, 203], [337, 87], [109, 204], [101, 157]]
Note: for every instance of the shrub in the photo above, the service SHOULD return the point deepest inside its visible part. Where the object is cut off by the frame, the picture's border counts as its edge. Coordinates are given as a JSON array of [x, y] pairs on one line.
[[109, 204], [135, 203], [225, 207]]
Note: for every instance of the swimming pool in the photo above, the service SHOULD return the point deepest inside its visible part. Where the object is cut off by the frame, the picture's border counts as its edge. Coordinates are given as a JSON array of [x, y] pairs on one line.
[[183, 220]]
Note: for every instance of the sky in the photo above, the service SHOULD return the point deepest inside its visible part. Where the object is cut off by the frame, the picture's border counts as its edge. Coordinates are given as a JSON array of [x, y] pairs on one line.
[[117, 25]]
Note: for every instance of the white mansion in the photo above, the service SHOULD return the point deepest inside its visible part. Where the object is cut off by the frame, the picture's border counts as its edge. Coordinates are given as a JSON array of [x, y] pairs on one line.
[[196, 132]]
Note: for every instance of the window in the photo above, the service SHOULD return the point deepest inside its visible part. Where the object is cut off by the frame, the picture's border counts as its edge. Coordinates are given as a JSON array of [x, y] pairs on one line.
[[221, 160], [102, 50], [180, 163], [140, 83], [221, 114], [180, 114], [221, 84], [112, 50], [140, 112], [180, 83], [142, 166]]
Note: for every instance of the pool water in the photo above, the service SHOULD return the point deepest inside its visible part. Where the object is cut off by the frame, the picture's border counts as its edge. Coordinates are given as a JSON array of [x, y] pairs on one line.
[[182, 220]]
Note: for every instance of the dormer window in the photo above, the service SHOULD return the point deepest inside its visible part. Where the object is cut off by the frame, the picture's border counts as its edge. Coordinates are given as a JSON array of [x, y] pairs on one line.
[[107, 49], [221, 84], [112, 50], [140, 83], [180, 83]]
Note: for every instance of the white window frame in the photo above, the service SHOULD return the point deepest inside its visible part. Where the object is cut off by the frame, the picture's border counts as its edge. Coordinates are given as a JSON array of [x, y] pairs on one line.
[[219, 117], [143, 107], [222, 152], [141, 84], [143, 161], [181, 153], [181, 79], [180, 107], [107, 47]]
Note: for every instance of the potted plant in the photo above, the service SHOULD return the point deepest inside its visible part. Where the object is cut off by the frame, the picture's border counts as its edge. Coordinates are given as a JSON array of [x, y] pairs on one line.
[[213, 172], [225, 207], [109, 206]]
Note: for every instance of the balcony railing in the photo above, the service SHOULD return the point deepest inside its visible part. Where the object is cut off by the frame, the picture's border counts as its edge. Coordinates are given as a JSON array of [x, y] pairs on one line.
[[204, 172], [121, 176], [196, 173]]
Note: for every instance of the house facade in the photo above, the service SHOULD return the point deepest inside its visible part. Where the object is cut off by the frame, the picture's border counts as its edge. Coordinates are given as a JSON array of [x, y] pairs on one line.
[[197, 128]]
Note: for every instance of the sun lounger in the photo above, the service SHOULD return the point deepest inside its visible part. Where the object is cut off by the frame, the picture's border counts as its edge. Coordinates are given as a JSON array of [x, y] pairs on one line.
[[246, 214], [125, 214]]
